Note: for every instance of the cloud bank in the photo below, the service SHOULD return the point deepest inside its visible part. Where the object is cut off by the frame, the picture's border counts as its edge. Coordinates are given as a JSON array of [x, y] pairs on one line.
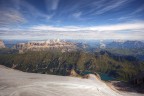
[[115, 27], [132, 31]]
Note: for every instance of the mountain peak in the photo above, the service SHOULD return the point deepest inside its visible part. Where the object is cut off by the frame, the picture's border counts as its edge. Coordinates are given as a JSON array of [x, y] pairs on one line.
[[2, 45]]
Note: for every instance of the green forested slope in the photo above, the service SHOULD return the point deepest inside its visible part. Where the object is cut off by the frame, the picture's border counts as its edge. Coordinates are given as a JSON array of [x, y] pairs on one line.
[[58, 63]]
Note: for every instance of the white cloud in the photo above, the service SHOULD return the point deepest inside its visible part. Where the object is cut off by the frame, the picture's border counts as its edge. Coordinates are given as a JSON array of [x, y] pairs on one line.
[[118, 31], [102, 6], [52, 4], [119, 27], [77, 15], [55, 4], [11, 16], [52, 28], [140, 9], [111, 6], [115, 27]]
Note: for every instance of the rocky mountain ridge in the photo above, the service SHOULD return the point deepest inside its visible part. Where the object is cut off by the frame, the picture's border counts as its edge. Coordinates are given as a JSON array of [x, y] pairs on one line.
[[46, 45], [2, 45]]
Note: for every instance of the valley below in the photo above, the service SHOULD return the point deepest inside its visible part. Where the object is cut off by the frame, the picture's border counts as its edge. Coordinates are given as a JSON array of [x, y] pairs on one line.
[[18, 83], [64, 68]]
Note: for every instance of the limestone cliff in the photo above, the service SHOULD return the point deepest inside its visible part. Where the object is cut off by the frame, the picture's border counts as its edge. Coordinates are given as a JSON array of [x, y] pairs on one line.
[[2, 44], [46, 45]]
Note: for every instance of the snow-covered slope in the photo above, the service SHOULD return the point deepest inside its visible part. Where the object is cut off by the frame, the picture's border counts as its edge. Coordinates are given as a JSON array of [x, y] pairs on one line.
[[17, 83]]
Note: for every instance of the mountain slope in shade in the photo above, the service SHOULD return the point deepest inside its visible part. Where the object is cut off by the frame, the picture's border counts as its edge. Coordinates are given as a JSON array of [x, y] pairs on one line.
[[17, 83]]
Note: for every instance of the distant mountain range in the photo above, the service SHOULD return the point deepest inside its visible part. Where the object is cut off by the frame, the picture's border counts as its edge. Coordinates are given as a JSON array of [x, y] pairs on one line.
[[125, 44], [91, 43], [120, 47], [122, 60]]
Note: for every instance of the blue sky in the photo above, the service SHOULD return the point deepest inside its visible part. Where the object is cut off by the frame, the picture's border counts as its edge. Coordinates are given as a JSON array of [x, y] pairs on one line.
[[71, 19]]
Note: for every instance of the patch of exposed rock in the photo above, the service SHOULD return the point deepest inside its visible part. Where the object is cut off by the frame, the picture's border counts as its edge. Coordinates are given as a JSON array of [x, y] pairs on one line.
[[61, 45], [2, 45]]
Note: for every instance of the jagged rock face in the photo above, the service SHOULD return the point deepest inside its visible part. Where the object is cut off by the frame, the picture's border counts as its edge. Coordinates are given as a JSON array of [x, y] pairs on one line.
[[2, 44], [44, 45]]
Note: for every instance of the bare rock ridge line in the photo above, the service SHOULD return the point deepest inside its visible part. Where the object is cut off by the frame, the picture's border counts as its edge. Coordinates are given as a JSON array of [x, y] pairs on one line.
[[44, 45], [2, 45]]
